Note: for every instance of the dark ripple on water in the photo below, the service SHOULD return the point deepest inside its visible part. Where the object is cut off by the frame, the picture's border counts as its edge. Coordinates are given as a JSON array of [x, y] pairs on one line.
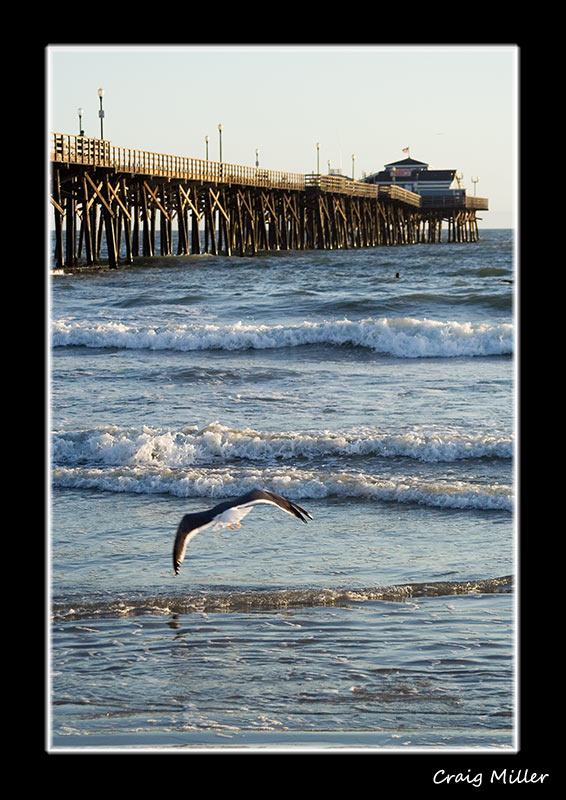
[[236, 600]]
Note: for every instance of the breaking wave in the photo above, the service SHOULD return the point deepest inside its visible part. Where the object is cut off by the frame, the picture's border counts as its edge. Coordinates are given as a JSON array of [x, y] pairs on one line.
[[403, 337], [294, 483], [216, 442]]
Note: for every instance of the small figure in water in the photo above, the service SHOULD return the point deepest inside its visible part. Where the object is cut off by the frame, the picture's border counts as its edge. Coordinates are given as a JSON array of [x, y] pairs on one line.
[[505, 281], [398, 275]]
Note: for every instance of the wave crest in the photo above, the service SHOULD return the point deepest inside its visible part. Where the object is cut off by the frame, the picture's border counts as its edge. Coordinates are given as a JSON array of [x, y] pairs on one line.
[[297, 484], [219, 443], [403, 337]]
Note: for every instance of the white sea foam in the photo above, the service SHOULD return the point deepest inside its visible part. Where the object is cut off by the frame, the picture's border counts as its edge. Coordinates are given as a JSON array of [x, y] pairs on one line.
[[404, 337], [297, 484], [216, 443]]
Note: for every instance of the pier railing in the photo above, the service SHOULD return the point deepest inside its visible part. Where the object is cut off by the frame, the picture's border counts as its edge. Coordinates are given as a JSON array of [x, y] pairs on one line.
[[401, 195], [339, 184], [455, 200], [80, 150], [71, 149], [97, 152]]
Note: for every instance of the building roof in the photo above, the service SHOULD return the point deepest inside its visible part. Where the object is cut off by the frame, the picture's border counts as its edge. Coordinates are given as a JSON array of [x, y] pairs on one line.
[[407, 162]]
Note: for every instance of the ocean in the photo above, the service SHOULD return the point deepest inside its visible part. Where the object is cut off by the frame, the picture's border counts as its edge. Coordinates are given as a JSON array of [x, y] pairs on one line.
[[383, 405]]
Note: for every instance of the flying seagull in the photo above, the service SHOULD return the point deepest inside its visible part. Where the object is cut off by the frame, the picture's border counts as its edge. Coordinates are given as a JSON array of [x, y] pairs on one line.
[[226, 515]]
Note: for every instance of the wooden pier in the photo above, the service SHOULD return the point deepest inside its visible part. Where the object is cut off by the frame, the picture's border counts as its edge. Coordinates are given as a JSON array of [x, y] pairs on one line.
[[123, 196]]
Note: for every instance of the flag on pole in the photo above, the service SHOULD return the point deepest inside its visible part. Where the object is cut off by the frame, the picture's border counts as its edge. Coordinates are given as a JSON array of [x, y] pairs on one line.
[[405, 150]]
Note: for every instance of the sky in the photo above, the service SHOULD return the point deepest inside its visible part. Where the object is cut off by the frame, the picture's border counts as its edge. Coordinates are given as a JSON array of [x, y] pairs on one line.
[[453, 106]]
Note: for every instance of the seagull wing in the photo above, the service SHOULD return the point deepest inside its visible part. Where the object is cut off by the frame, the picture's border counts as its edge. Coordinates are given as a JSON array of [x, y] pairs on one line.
[[263, 496], [188, 528], [228, 513]]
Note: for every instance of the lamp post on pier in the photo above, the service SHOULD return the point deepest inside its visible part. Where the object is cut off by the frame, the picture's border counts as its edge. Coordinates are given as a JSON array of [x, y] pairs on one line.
[[101, 113], [206, 146], [318, 158], [220, 139], [353, 159], [474, 181], [80, 113]]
